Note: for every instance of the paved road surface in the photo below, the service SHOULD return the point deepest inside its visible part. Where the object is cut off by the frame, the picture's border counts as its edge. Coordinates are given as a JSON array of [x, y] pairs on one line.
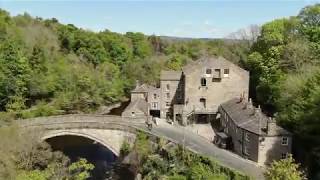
[[202, 146]]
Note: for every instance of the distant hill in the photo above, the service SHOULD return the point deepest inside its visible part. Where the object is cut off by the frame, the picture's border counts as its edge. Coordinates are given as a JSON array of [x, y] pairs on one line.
[[186, 39]]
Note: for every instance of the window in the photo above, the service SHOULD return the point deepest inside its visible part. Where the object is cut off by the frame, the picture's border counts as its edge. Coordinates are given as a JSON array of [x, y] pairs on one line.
[[154, 96], [168, 95], [226, 73], [284, 141], [283, 155], [246, 150], [203, 102], [133, 113], [203, 82], [167, 104], [217, 72], [168, 87], [208, 71], [179, 96], [247, 137], [154, 105]]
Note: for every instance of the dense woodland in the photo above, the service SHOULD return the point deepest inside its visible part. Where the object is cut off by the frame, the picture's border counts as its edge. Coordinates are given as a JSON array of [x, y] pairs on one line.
[[49, 68]]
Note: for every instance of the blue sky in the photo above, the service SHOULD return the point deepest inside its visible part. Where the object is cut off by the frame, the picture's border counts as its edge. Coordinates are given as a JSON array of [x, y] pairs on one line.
[[200, 19]]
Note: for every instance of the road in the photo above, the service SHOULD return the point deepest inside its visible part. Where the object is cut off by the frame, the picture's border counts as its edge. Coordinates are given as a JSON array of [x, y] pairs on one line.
[[202, 146]]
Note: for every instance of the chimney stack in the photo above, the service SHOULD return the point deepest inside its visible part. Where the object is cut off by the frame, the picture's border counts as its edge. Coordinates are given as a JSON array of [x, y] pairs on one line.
[[271, 126]]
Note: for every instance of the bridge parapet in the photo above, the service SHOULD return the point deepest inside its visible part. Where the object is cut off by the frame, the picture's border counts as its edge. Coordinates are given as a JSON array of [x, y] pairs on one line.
[[82, 121]]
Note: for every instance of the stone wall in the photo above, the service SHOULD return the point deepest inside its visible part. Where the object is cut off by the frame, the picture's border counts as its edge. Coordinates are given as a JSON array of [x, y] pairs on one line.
[[165, 100], [271, 149], [216, 91], [154, 96]]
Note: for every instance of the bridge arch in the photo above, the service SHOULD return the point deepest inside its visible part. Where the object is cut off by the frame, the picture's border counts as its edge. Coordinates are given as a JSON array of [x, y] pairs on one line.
[[111, 139]]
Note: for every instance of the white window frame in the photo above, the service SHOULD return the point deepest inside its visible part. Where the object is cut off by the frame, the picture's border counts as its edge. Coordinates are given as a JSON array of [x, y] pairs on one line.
[[154, 96], [167, 104], [167, 87], [226, 74], [208, 69], [286, 140], [203, 82], [168, 95]]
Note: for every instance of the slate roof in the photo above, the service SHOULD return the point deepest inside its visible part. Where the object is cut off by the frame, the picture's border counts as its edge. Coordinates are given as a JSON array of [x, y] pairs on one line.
[[246, 117], [138, 104], [170, 75], [215, 62], [143, 88]]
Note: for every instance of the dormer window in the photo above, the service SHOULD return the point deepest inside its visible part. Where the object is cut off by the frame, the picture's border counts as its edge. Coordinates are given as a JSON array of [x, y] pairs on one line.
[[203, 82], [208, 71]]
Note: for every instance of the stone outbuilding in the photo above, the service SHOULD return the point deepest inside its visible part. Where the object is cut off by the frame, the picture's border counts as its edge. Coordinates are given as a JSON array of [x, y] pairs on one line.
[[138, 108]]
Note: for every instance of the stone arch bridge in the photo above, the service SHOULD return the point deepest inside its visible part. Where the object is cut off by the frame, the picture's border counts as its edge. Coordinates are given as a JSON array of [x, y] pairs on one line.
[[109, 131]]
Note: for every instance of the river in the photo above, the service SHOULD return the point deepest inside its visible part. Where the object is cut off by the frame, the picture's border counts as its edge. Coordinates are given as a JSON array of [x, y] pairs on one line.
[[76, 147]]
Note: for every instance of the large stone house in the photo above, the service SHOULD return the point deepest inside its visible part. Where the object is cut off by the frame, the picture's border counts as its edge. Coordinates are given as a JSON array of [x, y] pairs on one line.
[[251, 133], [206, 84], [207, 90], [195, 92]]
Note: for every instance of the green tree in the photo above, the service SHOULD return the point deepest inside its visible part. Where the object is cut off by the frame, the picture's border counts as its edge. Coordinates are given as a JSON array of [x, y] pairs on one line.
[[14, 76], [285, 169], [310, 22], [176, 62], [80, 170], [140, 44]]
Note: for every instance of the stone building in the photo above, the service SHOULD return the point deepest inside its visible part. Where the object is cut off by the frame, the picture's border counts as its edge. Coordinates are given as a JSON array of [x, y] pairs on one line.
[[139, 107], [252, 134], [206, 84], [194, 93]]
